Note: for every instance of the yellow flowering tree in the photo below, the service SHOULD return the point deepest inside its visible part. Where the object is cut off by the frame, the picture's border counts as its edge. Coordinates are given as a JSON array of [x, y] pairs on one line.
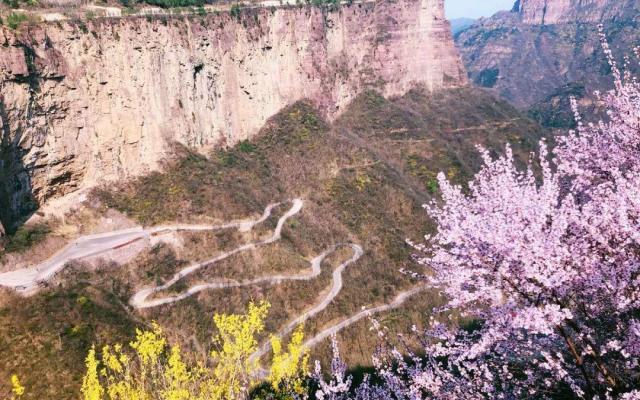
[[153, 370], [91, 387], [290, 369], [235, 372]]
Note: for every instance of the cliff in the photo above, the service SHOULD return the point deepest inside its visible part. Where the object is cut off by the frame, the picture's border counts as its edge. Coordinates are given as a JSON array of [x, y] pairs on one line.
[[561, 11], [544, 51], [87, 102]]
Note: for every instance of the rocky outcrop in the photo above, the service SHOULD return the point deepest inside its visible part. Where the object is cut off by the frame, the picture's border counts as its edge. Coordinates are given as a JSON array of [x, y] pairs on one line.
[[544, 51], [562, 11], [85, 103]]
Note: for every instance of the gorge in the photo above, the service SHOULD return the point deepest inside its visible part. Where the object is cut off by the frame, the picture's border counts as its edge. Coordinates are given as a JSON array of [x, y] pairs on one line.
[[85, 102]]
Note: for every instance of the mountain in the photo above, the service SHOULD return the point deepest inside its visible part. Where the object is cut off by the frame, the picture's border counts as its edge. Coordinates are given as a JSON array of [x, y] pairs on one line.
[[145, 125], [363, 179], [83, 101], [542, 52], [571, 11], [460, 24]]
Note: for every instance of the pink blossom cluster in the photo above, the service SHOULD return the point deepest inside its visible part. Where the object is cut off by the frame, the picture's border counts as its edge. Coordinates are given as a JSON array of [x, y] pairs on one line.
[[543, 268]]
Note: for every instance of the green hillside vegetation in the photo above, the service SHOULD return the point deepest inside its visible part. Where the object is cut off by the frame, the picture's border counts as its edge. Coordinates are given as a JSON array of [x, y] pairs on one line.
[[363, 179]]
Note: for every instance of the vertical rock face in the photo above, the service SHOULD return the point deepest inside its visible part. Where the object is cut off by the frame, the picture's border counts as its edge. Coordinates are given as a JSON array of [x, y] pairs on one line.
[[559, 11], [84, 103]]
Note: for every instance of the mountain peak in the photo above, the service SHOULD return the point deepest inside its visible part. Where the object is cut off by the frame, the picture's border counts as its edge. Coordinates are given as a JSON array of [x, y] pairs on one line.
[[560, 11]]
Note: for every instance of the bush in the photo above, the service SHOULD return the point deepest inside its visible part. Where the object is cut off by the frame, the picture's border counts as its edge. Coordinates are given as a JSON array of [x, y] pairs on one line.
[[12, 3], [154, 369], [14, 20], [25, 237], [175, 3], [236, 10], [246, 147], [488, 77]]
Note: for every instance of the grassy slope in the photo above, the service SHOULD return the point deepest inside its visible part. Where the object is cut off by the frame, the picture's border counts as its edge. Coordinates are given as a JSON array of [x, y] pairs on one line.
[[364, 179]]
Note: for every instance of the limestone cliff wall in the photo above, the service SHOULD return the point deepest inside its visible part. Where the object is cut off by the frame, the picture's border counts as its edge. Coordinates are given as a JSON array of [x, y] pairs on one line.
[[83, 103], [559, 11]]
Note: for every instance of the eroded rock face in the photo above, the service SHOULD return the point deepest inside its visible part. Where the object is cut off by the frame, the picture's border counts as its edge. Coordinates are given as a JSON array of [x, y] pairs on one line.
[[560, 11], [544, 51], [83, 104]]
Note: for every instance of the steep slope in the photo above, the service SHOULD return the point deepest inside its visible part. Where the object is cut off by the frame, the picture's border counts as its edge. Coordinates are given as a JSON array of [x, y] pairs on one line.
[[104, 99], [546, 50], [363, 177], [460, 24]]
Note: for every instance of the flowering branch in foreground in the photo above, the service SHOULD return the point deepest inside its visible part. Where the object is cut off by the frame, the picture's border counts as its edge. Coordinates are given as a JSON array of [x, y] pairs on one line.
[[545, 264]]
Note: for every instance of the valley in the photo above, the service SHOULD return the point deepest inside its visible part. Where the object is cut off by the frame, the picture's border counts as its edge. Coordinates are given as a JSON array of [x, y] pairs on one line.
[[165, 163], [344, 171]]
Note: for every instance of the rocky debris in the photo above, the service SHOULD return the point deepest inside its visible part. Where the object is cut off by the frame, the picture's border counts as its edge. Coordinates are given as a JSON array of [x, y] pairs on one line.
[[88, 102]]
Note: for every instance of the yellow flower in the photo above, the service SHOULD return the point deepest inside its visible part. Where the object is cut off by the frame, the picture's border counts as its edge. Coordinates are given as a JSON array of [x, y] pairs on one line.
[[289, 369], [177, 377], [155, 371], [17, 388], [234, 372], [91, 387], [149, 344]]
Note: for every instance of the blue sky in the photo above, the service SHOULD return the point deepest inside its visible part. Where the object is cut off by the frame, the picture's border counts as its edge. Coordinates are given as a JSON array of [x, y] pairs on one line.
[[476, 8]]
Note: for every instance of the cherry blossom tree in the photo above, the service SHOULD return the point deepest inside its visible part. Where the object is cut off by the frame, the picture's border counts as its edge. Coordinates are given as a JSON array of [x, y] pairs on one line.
[[543, 267]]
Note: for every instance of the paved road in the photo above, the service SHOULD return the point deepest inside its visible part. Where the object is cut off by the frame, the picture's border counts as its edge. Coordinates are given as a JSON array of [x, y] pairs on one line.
[[397, 302], [28, 280], [141, 299], [336, 287]]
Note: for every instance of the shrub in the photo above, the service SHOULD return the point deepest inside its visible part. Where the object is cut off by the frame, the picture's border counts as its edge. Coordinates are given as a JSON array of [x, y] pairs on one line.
[[175, 3], [246, 147], [152, 369], [26, 237], [14, 20], [236, 11], [488, 77], [12, 3]]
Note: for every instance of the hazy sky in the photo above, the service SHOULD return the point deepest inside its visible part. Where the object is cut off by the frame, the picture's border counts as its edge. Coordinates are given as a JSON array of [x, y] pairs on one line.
[[476, 8]]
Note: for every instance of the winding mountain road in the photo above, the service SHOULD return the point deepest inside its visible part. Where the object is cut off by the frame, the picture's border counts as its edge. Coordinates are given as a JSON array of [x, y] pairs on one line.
[[397, 302], [336, 287], [29, 280], [141, 299]]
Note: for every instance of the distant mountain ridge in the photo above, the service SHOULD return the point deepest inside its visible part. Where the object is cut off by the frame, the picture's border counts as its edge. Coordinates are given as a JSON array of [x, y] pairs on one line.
[[563, 11], [543, 51]]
